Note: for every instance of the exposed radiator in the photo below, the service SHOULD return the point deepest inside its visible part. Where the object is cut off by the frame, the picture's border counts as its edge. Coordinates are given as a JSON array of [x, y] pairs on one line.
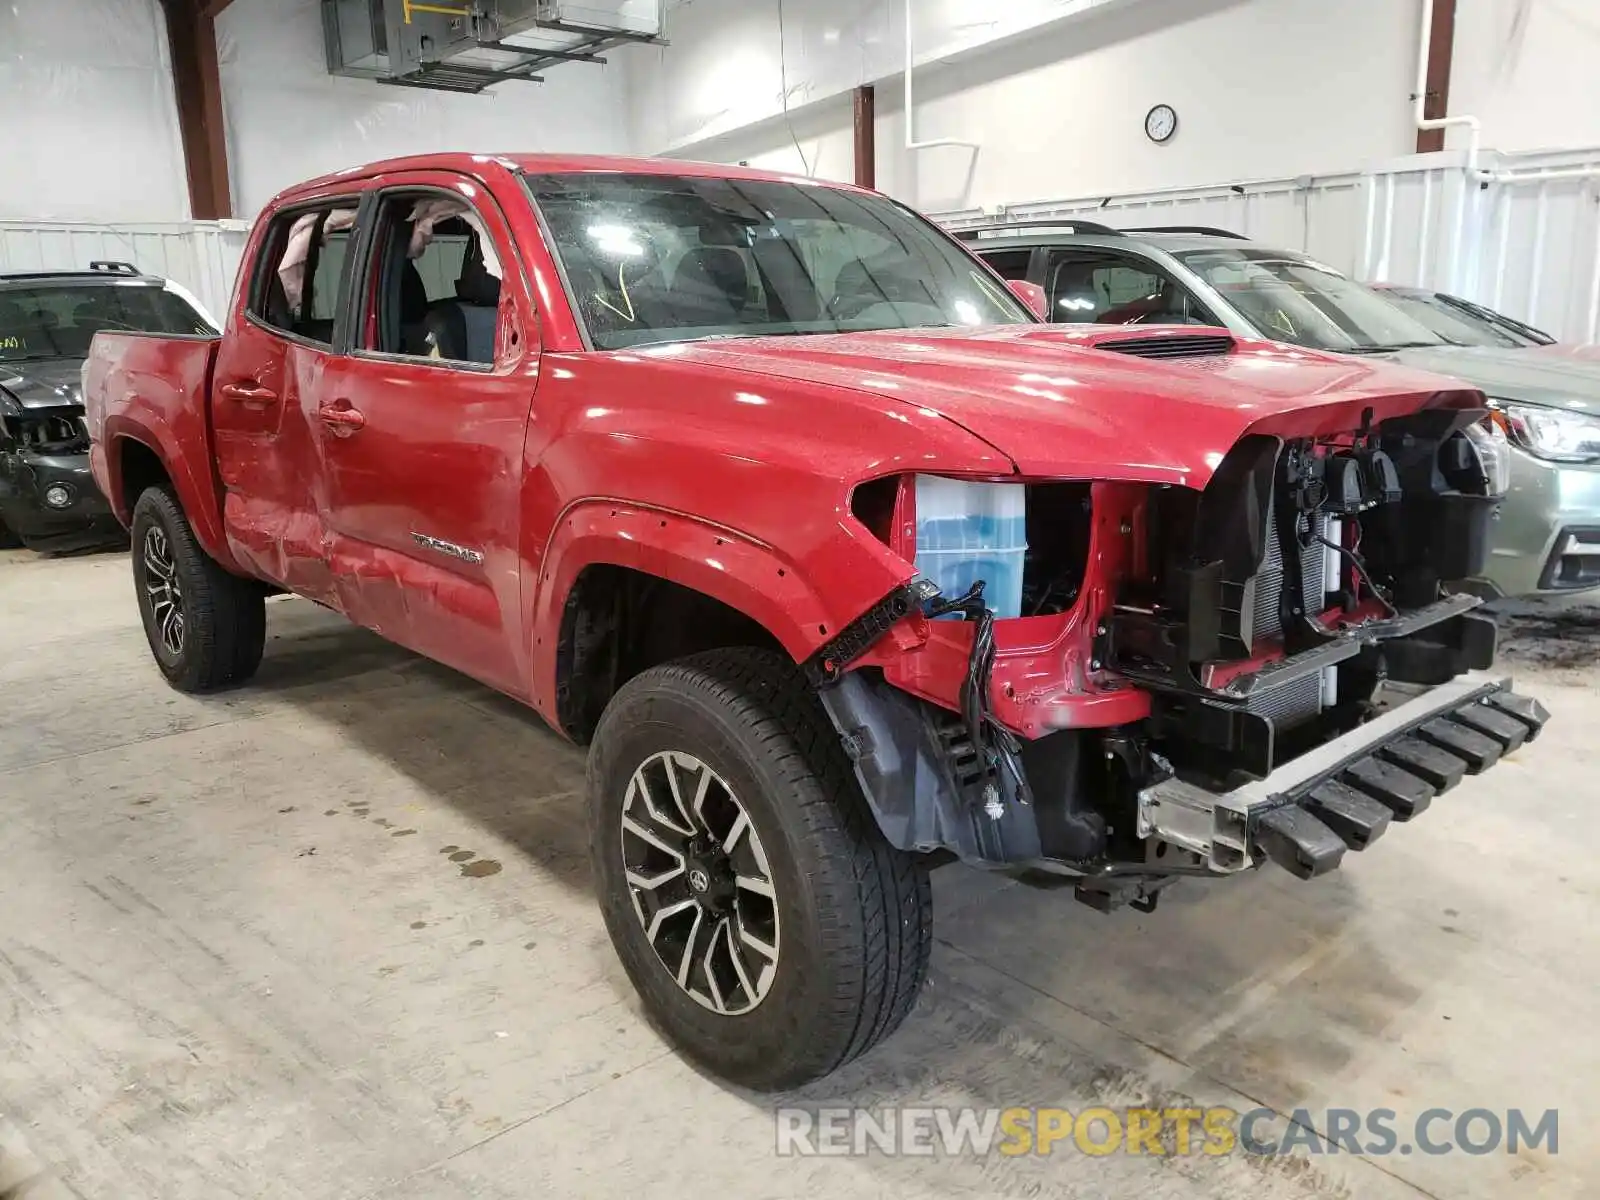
[[1290, 704], [1269, 580]]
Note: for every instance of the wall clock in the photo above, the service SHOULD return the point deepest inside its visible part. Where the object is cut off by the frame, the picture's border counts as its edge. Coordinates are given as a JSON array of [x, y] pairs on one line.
[[1160, 123]]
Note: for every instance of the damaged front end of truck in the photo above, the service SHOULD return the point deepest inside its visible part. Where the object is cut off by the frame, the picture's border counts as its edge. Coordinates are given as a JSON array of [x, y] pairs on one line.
[[1273, 666]]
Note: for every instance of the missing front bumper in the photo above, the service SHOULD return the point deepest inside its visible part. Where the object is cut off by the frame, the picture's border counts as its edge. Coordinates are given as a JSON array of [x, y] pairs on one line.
[[1307, 813]]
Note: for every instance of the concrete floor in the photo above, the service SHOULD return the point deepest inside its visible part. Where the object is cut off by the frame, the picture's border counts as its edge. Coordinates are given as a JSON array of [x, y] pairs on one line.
[[243, 952]]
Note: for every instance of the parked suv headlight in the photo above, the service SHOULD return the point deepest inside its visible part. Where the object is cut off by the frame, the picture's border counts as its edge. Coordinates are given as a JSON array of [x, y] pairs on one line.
[[1551, 433], [1494, 454]]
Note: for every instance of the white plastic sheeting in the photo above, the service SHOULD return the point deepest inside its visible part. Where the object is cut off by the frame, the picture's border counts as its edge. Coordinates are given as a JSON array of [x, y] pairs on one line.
[[289, 120], [91, 124], [1525, 69]]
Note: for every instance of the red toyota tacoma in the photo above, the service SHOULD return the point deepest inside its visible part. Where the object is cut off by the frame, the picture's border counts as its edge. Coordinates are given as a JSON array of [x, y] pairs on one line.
[[840, 562]]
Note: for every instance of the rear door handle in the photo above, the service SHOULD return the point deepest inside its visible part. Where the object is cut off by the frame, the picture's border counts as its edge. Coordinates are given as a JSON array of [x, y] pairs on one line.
[[249, 392], [341, 421]]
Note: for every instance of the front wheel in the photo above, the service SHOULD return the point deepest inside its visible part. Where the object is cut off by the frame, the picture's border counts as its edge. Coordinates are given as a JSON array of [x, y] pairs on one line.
[[771, 931], [206, 626]]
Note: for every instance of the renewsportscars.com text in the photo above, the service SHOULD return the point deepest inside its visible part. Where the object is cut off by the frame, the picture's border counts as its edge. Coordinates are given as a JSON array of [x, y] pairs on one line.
[[1182, 1132]]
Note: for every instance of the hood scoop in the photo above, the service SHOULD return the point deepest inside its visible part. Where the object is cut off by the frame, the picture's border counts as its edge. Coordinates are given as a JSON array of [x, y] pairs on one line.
[[1170, 345]]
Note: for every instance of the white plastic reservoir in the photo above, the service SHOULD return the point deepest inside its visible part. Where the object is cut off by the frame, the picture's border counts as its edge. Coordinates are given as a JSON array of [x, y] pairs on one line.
[[972, 531]]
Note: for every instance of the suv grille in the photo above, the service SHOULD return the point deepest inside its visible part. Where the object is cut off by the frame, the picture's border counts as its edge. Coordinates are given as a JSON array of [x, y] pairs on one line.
[[1183, 345]]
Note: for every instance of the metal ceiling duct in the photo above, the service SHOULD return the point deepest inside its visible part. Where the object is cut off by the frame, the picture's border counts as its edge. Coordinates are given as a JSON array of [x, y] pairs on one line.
[[468, 45]]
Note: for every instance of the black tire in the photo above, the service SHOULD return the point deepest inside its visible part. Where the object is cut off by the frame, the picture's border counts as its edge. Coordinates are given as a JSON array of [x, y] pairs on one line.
[[9, 540], [855, 914], [224, 618]]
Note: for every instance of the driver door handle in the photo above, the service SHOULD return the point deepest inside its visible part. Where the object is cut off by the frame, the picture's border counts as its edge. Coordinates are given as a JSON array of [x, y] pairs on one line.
[[249, 392], [341, 419]]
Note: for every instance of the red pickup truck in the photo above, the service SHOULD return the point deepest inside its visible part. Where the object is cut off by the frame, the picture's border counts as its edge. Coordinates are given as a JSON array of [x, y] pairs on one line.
[[840, 562]]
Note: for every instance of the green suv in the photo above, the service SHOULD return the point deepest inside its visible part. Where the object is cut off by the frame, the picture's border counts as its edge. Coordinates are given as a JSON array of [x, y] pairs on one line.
[[1547, 538]]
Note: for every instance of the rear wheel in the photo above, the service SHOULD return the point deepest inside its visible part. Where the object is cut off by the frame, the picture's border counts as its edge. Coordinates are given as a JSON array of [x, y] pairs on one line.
[[206, 626], [771, 931]]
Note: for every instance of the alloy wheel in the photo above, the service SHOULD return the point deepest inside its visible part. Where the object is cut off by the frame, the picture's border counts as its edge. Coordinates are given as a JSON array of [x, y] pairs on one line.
[[700, 882], [164, 588]]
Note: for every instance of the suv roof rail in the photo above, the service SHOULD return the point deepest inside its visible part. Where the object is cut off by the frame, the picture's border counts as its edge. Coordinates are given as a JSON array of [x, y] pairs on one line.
[[1062, 225], [109, 266], [1211, 230]]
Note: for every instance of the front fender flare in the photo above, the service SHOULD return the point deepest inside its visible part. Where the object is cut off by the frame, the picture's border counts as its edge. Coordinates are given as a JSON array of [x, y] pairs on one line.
[[747, 575]]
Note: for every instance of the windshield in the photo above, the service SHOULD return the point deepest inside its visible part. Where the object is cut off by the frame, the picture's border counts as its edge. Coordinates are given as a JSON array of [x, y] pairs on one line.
[[1457, 323], [660, 258], [1296, 300], [58, 320]]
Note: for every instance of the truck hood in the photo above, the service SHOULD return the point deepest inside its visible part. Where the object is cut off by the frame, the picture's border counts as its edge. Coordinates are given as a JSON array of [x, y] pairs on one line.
[[43, 383], [1530, 376], [1058, 407]]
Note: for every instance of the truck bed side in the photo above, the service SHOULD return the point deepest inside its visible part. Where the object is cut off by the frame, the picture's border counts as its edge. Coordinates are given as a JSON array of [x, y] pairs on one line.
[[148, 404]]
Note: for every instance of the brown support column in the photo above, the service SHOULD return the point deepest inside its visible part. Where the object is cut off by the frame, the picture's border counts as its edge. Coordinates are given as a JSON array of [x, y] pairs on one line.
[[866, 139], [1441, 46], [197, 84]]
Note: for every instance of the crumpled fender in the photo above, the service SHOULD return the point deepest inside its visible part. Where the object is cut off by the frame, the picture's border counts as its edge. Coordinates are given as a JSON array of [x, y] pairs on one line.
[[749, 576]]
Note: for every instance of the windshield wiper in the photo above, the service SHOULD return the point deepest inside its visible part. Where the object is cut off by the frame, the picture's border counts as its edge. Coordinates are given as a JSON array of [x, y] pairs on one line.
[[720, 337], [1386, 348]]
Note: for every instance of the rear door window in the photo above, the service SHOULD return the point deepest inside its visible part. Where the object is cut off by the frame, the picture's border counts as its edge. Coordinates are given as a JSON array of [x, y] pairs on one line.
[[300, 279]]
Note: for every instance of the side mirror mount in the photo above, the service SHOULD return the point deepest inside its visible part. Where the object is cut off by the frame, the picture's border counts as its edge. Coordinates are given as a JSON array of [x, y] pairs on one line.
[[1032, 295]]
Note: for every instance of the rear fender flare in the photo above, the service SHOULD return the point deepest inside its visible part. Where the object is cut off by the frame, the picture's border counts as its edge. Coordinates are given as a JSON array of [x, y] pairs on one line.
[[198, 495], [746, 575]]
